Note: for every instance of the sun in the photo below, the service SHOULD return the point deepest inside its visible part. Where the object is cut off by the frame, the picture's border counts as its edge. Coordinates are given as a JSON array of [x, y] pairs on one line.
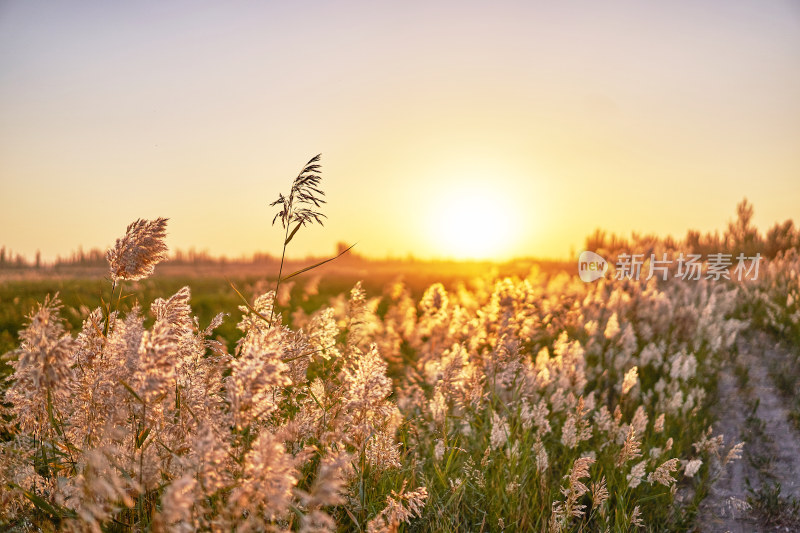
[[473, 223]]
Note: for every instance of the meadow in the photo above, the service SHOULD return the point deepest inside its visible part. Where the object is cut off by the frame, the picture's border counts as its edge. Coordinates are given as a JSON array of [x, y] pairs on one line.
[[81, 288], [504, 401]]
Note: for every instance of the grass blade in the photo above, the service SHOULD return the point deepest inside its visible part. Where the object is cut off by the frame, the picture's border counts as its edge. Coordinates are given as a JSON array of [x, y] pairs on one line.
[[306, 269], [250, 307], [291, 235]]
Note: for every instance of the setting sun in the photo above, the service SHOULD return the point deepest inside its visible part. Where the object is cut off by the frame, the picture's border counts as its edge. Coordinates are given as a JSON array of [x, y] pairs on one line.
[[473, 223]]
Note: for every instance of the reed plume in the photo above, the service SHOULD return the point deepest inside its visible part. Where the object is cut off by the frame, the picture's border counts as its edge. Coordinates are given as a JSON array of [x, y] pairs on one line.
[[136, 254]]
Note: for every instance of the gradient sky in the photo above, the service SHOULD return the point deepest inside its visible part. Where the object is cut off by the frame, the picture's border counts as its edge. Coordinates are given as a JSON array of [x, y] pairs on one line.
[[547, 119]]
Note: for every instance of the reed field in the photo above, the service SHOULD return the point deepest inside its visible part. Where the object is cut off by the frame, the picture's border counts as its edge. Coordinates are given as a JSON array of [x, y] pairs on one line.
[[528, 402]]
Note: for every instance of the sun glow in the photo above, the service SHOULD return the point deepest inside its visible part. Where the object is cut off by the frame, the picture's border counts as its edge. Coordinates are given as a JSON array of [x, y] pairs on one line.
[[474, 223]]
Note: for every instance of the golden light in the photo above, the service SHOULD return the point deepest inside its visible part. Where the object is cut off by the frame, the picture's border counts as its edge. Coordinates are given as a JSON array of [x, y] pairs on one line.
[[473, 222]]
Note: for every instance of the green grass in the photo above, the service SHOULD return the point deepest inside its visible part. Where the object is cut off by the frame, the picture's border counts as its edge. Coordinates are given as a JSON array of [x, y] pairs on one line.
[[210, 296], [772, 508]]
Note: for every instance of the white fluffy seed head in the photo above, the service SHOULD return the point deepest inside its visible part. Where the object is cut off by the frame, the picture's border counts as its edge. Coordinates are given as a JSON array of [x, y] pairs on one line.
[[136, 254]]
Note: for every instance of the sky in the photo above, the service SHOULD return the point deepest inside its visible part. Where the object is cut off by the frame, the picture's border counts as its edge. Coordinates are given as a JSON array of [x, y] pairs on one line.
[[447, 129]]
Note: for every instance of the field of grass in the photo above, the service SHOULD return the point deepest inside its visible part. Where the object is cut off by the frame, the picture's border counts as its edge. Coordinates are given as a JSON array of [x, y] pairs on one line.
[[518, 400], [211, 293], [463, 406], [210, 296]]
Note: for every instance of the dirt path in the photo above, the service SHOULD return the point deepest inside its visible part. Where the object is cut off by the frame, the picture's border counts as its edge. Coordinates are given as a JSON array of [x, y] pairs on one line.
[[751, 409]]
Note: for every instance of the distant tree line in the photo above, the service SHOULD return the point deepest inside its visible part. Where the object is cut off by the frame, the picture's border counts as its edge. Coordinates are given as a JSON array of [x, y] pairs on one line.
[[97, 258], [741, 236], [8, 259]]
